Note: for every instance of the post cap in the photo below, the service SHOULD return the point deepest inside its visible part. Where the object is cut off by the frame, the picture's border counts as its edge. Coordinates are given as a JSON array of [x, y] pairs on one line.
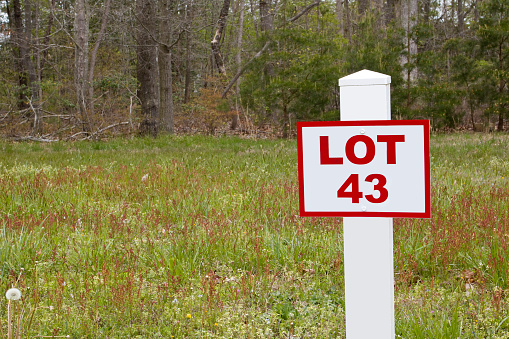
[[365, 78]]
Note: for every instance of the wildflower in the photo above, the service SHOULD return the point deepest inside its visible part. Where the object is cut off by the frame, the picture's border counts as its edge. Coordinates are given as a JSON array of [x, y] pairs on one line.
[[216, 324], [13, 294], [188, 316]]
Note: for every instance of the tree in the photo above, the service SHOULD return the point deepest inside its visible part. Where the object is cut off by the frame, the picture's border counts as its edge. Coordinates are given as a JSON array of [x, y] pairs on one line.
[[238, 59], [81, 37], [28, 76], [306, 70], [147, 67], [165, 69], [493, 36], [215, 43], [379, 51]]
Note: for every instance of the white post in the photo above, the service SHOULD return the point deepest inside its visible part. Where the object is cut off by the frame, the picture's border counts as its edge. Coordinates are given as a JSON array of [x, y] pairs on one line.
[[368, 243]]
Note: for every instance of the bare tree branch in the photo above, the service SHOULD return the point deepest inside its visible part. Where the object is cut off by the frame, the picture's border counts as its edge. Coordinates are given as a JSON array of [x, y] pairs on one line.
[[257, 55], [165, 46], [243, 69], [304, 11]]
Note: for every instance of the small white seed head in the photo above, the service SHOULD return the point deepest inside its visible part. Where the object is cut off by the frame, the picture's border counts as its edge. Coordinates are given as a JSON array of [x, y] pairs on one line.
[[13, 294]]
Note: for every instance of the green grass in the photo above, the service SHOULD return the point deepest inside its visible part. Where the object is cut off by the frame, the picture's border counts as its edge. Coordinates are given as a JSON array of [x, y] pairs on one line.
[[199, 237]]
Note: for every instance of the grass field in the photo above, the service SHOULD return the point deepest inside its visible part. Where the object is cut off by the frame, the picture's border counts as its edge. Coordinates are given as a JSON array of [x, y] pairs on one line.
[[199, 237]]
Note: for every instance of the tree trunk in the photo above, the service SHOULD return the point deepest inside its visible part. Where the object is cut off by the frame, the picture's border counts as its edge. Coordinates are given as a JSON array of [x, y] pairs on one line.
[[146, 67], [221, 24], [408, 21], [389, 11], [238, 59], [32, 71], [348, 23], [255, 23], [266, 27], [339, 16], [28, 74], [461, 18], [165, 69], [501, 88], [47, 37], [81, 36], [187, 82], [426, 6], [93, 57], [265, 17], [15, 18], [363, 7]]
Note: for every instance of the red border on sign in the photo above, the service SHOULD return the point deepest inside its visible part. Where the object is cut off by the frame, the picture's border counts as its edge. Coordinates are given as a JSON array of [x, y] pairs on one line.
[[423, 123]]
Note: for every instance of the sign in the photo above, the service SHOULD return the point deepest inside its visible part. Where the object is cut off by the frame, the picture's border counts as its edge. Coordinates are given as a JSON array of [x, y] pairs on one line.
[[376, 168]]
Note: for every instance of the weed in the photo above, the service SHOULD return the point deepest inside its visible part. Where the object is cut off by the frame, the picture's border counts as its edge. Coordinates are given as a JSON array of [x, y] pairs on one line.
[[129, 237]]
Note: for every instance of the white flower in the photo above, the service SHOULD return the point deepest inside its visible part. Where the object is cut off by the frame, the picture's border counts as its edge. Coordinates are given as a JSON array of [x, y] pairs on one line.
[[13, 294]]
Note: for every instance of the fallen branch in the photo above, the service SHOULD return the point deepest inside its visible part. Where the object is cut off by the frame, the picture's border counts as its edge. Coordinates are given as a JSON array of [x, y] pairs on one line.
[[76, 134], [107, 128], [30, 138], [61, 116], [5, 116]]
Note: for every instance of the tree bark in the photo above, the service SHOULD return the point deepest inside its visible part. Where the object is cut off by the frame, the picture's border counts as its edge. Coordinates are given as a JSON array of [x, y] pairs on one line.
[[81, 36], [255, 23], [33, 78], [266, 28], [47, 37], [501, 88], [187, 81], [16, 20], [238, 59], [93, 56], [408, 21], [363, 7], [339, 16], [146, 67], [461, 18], [389, 12], [28, 76], [165, 68], [348, 23], [265, 17], [221, 24]]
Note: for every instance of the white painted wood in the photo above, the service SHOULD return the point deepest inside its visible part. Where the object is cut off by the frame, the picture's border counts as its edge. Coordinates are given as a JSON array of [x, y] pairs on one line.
[[368, 242]]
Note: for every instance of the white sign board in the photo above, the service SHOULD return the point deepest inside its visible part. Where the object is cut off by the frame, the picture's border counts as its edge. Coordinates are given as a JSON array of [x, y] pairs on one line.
[[364, 168]]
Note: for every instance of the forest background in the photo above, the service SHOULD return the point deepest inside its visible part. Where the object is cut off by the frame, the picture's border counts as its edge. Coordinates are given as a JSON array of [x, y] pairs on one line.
[[84, 69]]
